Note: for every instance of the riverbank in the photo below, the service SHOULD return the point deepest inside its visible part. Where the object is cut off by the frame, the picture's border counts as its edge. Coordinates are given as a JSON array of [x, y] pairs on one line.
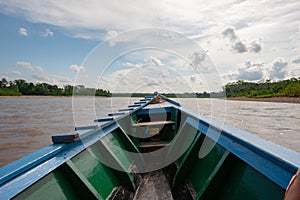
[[49, 96], [269, 99]]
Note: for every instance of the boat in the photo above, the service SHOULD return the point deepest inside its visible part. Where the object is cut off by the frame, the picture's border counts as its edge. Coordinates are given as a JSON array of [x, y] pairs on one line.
[[154, 149]]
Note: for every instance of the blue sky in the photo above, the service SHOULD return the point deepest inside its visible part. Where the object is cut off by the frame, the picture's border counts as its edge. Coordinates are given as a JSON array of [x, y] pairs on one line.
[[51, 41]]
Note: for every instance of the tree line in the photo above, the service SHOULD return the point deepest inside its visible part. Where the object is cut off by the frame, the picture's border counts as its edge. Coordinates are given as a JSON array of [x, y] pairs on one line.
[[263, 89], [21, 87]]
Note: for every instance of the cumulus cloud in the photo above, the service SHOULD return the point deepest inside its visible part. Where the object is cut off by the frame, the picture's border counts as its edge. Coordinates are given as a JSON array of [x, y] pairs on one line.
[[47, 33], [154, 61], [28, 65], [110, 36], [23, 31], [256, 45], [278, 68], [296, 60], [239, 46], [51, 79], [40, 77], [279, 63], [77, 68], [193, 79], [197, 58], [150, 78], [250, 71], [129, 64], [230, 34], [15, 72]]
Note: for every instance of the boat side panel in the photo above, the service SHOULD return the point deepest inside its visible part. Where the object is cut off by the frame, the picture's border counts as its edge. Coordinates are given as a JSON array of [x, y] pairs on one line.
[[237, 180], [180, 145], [59, 184], [217, 173], [203, 168], [115, 150], [272, 166], [85, 173], [98, 175]]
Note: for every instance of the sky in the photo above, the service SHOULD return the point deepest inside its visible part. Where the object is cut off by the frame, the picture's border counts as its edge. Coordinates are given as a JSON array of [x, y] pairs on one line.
[[134, 46]]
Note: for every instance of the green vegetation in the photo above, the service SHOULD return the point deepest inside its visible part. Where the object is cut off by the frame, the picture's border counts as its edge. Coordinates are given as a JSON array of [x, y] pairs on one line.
[[9, 92], [21, 87], [284, 88]]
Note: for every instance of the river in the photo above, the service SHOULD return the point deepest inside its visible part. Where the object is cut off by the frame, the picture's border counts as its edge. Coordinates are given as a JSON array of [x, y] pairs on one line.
[[27, 123]]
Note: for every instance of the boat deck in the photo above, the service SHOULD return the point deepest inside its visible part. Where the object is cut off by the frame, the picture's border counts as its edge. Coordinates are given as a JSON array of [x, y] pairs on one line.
[[154, 151], [154, 185]]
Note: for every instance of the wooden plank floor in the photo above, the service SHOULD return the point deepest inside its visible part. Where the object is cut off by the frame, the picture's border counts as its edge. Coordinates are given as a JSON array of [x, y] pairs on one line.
[[154, 186]]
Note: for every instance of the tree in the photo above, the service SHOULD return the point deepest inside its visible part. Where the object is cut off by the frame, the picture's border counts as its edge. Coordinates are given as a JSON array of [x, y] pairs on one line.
[[3, 83]]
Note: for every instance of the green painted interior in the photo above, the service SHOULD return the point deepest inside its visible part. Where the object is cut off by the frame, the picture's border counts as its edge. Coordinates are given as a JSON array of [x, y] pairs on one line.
[[240, 181], [187, 161], [98, 175], [111, 151], [202, 168], [85, 175], [182, 142], [117, 149], [60, 184], [217, 174], [221, 175]]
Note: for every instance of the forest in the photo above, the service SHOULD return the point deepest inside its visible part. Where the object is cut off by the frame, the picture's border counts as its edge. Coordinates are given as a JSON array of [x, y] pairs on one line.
[[262, 89], [21, 87]]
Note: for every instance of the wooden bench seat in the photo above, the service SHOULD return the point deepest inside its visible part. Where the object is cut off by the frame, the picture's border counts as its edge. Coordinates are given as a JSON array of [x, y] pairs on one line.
[[154, 123]]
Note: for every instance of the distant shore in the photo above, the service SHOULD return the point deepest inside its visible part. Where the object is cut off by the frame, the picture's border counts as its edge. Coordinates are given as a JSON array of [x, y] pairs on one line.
[[269, 99], [48, 96]]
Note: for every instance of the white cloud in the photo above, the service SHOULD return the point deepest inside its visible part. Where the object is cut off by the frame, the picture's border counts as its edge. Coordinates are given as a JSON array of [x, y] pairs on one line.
[[110, 36], [279, 63], [129, 64], [278, 70], [197, 58], [150, 78], [230, 33], [271, 33], [10, 75], [239, 46], [154, 61], [114, 15], [52, 79], [15, 72], [41, 77], [296, 60], [250, 71], [47, 33], [193, 79], [77, 68], [28, 65], [256, 45], [23, 31]]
